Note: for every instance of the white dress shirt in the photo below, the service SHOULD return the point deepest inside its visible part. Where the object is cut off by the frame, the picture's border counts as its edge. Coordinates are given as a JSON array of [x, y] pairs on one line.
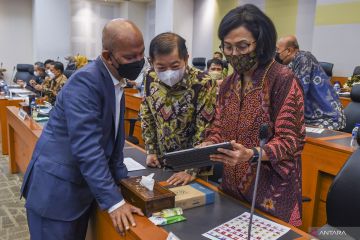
[[119, 90]]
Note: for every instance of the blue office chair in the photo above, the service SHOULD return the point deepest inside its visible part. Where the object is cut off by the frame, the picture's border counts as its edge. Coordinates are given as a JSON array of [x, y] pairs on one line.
[[199, 63], [24, 72], [328, 67]]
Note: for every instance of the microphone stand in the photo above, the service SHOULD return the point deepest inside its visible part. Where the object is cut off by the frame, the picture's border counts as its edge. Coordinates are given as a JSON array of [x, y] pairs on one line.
[[263, 137]]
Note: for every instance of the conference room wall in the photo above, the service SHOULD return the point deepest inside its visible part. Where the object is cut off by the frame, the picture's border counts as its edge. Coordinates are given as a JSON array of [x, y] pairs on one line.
[[16, 41], [337, 34], [51, 29], [87, 21]]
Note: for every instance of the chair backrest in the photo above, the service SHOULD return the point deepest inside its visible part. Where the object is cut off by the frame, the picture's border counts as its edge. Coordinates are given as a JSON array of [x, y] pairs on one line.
[[342, 204], [199, 62], [352, 110], [356, 70], [68, 73], [24, 72], [328, 67]]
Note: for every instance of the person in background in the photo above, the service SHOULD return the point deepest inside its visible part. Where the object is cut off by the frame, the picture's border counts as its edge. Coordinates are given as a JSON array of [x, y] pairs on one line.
[[39, 73], [178, 104], [260, 91], [79, 156], [322, 104], [139, 81], [215, 70], [51, 87], [220, 56], [47, 64], [38, 77]]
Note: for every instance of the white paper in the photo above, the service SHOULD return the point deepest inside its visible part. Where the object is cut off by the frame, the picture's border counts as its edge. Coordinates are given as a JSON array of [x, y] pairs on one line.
[[18, 98], [132, 165], [237, 229], [314, 130], [20, 91]]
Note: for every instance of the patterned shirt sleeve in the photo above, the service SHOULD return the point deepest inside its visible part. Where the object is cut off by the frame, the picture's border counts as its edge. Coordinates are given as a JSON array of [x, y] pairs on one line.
[[148, 126], [213, 133], [205, 110], [289, 133]]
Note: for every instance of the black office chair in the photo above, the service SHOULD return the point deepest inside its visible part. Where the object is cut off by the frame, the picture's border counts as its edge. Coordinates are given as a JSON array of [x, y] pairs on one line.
[[356, 70], [131, 138], [24, 72], [68, 73], [342, 203], [199, 63], [328, 67], [352, 110]]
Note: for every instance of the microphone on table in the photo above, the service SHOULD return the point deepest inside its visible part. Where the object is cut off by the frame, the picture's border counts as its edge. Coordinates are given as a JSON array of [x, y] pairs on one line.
[[263, 136]]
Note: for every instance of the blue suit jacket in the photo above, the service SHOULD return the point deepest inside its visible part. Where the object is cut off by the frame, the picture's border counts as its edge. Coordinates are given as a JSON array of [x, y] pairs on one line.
[[77, 158]]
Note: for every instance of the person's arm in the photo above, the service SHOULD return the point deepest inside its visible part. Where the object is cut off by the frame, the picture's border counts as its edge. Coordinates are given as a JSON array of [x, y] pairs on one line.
[[83, 113], [213, 132], [303, 71], [205, 110], [148, 128], [289, 131]]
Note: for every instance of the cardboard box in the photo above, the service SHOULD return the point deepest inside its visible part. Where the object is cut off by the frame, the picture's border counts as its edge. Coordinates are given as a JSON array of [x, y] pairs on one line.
[[192, 195]]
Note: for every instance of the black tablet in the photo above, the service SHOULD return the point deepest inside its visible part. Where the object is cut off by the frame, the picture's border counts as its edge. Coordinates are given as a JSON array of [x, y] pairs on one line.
[[193, 157]]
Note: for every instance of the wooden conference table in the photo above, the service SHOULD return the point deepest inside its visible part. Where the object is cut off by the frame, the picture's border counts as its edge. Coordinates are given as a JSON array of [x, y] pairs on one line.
[[23, 136], [4, 102]]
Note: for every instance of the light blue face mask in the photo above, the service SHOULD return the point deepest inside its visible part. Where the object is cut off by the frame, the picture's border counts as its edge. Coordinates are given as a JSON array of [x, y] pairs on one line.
[[171, 77]]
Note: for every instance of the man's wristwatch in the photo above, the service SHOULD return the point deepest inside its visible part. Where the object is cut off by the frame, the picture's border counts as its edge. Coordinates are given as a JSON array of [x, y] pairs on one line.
[[256, 156]]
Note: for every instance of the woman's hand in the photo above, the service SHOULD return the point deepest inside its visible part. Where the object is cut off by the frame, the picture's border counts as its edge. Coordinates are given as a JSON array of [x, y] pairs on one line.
[[204, 144], [182, 178], [233, 157], [152, 161]]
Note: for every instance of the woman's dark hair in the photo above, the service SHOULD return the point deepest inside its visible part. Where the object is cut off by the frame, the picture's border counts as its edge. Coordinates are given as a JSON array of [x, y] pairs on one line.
[[165, 43], [255, 21], [58, 66]]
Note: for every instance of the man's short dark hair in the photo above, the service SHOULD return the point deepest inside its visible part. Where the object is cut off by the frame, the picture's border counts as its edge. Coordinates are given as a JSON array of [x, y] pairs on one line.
[[220, 53], [58, 66], [216, 62], [165, 43], [48, 61], [40, 65], [255, 21]]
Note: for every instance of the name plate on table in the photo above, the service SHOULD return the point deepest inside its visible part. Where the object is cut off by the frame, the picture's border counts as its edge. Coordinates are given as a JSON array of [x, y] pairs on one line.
[[148, 201], [22, 114]]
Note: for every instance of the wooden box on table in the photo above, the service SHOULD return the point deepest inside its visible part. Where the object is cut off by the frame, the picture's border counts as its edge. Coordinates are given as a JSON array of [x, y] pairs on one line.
[[148, 201]]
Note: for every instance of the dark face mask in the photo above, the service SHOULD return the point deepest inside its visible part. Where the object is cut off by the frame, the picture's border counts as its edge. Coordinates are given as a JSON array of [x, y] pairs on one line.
[[130, 70], [278, 59]]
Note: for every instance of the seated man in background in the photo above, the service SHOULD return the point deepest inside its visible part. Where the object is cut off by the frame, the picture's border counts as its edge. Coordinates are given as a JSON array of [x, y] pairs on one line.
[[178, 103], [39, 73], [322, 105], [215, 70], [219, 55], [52, 85], [138, 82], [47, 64]]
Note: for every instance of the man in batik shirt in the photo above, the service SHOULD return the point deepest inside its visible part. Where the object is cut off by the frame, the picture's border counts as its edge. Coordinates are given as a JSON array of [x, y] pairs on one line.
[[178, 105], [322, 104]]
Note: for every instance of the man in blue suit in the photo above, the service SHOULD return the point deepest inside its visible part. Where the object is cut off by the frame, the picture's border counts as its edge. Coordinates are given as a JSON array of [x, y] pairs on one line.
[[79, 156]]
